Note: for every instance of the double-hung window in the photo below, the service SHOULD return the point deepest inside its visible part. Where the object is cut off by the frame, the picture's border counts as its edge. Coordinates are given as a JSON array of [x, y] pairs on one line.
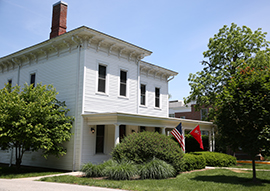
[[102, 78], [157, 97], [143, 88], [33, 79], [123, 83]]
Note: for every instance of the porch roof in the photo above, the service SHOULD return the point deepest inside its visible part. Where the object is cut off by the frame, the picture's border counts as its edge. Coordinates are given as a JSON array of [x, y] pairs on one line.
[[143, 120]]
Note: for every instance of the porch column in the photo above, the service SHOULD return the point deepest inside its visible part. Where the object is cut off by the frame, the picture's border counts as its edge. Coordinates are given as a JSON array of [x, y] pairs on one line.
[[210, 141], [213, 131], [116, 134], [163, 131]]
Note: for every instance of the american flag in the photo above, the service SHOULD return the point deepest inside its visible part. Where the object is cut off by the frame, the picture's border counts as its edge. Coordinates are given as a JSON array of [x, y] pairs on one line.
[[178, 134]]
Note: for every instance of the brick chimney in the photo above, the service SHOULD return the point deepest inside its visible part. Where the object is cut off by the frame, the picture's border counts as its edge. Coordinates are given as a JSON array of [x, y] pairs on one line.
[[59, 19]]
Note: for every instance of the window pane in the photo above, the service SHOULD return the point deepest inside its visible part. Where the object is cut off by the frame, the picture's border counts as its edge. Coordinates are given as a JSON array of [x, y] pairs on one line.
[[123, 76], [102, 71], [100, 139], [123, 89], [33, 79], [142, 94], [101, 85], [157, 94]]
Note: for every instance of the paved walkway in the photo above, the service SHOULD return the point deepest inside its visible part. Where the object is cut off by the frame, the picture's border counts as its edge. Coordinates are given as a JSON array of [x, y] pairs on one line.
[[29, 184]]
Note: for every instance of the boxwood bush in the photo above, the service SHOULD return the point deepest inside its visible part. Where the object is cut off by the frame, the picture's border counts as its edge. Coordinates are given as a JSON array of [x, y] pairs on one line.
[[217, 159], [142, 147], [192, 162]]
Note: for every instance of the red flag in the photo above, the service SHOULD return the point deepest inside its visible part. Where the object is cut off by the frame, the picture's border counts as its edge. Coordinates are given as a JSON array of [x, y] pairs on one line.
[[196, 133]]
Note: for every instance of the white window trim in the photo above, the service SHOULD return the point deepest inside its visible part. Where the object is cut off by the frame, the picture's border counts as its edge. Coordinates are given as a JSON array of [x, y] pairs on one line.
[[107, 78], [127, 83]]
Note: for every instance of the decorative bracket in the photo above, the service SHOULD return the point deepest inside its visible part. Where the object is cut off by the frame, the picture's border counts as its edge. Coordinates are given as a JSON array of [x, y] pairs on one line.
[[99, 44], [130, 55], [110, 49], [120, 52]]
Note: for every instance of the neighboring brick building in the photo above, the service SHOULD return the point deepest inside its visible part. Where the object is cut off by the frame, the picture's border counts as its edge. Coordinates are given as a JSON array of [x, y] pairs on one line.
[[178, 109]]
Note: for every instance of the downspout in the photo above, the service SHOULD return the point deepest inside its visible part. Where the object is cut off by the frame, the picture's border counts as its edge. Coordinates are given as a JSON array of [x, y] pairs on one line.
[[139, 85], [76, 106], [168, 107]]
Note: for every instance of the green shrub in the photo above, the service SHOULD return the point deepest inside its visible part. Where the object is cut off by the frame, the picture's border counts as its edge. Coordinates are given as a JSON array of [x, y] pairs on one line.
[[156, 169], [192, 145], [192, 162], [142, 147], [124, 170], [217, 159], [92, 170]]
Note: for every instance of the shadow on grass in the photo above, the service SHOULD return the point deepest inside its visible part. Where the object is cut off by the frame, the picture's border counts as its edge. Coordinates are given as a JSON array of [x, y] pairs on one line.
[[231, 180]]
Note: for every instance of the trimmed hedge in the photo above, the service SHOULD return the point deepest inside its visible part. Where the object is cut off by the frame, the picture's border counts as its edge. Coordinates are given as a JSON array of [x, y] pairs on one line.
[[192, 162], [216, 159], [144, 146]]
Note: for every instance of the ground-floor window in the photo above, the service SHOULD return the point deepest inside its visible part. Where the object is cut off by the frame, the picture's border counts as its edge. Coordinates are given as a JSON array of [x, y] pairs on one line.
[[122, 133], [100, 139]]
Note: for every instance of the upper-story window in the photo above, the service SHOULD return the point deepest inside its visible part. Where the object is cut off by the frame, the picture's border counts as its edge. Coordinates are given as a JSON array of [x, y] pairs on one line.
[[102, 78], [143, 87], [123, 83], [204, 113], [10, 82], [157, 97], [33, 79]]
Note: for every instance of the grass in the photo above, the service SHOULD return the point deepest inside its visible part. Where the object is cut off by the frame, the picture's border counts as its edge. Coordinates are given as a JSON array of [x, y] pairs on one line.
[[24, 172], [217, 179], [249, 166]]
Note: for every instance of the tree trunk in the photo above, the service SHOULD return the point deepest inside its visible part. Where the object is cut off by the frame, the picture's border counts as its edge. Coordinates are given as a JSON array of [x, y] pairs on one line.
[[254, 170]]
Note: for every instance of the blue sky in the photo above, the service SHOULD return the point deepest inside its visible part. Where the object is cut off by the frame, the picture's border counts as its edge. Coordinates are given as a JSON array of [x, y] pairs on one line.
[[176, 31]]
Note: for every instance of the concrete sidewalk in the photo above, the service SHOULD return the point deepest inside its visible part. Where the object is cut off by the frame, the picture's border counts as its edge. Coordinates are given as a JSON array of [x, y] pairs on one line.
[[29, 184]]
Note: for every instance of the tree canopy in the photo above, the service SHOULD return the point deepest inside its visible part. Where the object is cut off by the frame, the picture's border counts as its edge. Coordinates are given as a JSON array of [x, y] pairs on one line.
[[235, 82], [242, 110], [33, 119], [226, 51]]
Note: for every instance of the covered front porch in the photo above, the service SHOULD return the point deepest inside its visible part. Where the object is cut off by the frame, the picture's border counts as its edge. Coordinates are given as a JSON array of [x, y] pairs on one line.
[[103, 131]]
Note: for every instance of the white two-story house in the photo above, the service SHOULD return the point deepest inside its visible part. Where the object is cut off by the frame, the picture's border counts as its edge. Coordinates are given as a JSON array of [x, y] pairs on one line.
[[107, 86]]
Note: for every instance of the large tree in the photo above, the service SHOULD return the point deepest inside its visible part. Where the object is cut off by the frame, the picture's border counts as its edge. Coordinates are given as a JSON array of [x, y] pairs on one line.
[[33, 119], [242, 109], [225, 53]]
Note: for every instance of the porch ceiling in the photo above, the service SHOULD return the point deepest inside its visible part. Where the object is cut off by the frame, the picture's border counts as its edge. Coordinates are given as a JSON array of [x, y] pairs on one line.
[[143, 120]]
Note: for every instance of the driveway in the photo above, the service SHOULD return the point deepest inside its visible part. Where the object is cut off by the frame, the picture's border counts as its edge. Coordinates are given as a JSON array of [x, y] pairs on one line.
[[29, 184]]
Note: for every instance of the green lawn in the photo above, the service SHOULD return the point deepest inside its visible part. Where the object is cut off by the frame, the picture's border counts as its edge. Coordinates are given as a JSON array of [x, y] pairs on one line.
[[246, 165], [217, 179], [11, 172]]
